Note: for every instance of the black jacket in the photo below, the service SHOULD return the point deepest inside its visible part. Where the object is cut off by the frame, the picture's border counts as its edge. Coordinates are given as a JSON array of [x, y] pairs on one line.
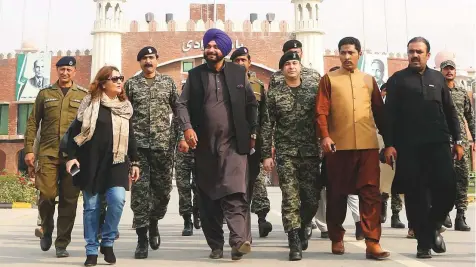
[[243, 103], [419, 109]]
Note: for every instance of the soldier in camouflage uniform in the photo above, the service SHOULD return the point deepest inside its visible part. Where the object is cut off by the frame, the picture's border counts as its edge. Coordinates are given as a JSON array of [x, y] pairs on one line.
[[153, 97], [278, 77], [184, 172], [466, 118], [257, 187], [55, 108], [291, 110]]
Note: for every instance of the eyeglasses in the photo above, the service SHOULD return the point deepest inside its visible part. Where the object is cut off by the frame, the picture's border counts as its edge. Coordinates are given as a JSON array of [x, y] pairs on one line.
[[115, 79]]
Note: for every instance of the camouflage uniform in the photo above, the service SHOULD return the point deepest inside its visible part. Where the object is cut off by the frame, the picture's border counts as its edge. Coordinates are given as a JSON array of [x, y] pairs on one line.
[[278, 77], [465, 113], [153, 104], [259, 199], [291, 114], [395, 202], [184, 167]]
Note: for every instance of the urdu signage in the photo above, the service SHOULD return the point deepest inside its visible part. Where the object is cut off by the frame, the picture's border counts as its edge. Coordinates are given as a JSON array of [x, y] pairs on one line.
[[191, 44]]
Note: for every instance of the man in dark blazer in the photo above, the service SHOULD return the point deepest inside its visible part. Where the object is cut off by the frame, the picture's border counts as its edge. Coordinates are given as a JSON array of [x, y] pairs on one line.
[[218, 114]]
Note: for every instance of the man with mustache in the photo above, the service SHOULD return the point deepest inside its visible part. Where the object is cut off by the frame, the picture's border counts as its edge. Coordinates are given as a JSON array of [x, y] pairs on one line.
[[290, 125], [153, 96], [258, 196], [349, 108], [218, 114], [55, 108], [421, 118], [463, 107]]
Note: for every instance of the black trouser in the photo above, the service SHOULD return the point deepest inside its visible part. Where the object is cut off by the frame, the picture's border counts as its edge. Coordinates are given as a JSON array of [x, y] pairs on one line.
[[235, 209], [430, 187]]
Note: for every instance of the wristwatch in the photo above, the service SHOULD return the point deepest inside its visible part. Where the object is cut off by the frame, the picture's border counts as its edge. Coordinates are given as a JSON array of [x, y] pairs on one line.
[[459, 142], [253, 136]]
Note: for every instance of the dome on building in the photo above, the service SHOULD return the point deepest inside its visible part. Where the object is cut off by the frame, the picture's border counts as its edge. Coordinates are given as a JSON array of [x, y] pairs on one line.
[[444, 55]]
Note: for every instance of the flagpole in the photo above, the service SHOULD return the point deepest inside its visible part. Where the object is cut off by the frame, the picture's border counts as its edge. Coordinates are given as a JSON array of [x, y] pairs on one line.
[[48, 27], [386, 29], [406, 20], [23, 23], [363, 22]]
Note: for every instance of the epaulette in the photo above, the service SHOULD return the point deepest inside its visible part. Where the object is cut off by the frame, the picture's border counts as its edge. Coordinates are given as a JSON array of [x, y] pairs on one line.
[[49, 86], [82, 88]]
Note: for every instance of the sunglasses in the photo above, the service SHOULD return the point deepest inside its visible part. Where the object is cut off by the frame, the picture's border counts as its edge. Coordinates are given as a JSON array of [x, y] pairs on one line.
[[115, 79]]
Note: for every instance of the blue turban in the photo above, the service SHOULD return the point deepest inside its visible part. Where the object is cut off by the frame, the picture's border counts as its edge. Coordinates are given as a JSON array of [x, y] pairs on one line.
[[223, 41]]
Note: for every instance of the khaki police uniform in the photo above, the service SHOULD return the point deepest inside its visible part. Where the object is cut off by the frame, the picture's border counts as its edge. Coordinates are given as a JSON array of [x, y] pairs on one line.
[[54, 112]]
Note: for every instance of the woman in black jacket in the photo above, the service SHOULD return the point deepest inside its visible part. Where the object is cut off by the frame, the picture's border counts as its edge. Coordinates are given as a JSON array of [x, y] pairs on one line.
[[105, 149]]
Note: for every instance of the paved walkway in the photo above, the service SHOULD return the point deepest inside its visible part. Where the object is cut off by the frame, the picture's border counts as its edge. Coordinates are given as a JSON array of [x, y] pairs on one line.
[[19, 247]]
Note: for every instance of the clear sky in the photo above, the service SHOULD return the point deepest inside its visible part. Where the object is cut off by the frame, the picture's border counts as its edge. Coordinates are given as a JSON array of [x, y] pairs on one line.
[[447, 24]]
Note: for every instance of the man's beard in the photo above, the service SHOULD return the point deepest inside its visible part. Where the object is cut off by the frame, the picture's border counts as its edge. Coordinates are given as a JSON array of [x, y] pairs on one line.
[[213, 61]]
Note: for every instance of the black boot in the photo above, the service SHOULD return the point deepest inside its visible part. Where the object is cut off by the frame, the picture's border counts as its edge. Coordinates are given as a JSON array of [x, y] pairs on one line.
[[264, 226], [438, 245], [423, 253], [460, 222], [295, 247], [383, 214], [305, 234], [108, 253], [154, 235], [359, 233], [448, 223], [142, 249], [187, 225], [396, 223], [45, 242], [196, 219], [91, 260]]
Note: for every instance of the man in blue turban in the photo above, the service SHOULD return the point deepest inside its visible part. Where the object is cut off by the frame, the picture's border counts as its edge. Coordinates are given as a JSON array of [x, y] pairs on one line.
[[218, 114]]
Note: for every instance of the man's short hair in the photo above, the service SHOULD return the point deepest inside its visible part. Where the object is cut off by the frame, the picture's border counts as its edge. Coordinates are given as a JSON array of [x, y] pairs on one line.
[[420, 39], [350, 41]]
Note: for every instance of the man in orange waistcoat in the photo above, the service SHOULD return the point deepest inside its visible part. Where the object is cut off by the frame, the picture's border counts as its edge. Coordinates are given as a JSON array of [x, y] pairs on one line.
[[348, 106]]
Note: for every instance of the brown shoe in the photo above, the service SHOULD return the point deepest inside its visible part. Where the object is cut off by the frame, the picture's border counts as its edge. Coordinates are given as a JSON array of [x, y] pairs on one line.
[[39, 232], [338, 247], [411, 233], [375, 251]]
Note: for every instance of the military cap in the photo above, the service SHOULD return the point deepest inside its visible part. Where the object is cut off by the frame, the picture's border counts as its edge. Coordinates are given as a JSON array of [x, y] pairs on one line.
[[66, 61], [291, 44], [290, 55], [146, 51], [239, 52], [447, 63]]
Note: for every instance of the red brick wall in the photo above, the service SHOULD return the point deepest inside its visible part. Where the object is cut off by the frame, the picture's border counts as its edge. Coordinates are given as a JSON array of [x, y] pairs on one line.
[[199, 11]]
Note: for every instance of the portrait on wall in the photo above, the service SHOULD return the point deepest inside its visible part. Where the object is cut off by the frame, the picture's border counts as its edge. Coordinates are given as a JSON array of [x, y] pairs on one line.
[[33, 74], [377, 66]]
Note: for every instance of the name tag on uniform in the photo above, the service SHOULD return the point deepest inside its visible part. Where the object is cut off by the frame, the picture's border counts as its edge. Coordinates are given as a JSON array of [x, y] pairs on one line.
[[76, 100], [50, 99], [431, 85]]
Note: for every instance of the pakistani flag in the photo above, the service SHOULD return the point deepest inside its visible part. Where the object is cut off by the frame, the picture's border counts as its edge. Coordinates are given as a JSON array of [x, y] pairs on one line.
[[21, 79]]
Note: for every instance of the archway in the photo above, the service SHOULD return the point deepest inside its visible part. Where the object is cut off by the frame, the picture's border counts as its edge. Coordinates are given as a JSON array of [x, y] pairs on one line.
[[3, 160], [22, 167]]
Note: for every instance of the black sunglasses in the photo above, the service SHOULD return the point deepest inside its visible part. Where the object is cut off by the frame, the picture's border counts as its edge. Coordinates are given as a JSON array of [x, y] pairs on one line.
[[115, 79]]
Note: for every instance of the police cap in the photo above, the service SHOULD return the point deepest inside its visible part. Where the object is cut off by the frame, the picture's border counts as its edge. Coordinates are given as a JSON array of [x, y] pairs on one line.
[[291, 44], [66, 61], [290, 55], [146, 51], [239, 52]]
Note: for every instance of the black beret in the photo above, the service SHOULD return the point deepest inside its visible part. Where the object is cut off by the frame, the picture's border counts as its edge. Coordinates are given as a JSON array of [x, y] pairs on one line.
[[66, 61], [239, 52], [146, 51], [291, 44], [288, 56]]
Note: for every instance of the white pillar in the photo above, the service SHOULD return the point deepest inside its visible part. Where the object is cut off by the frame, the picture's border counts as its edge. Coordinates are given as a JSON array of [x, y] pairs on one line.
[[309, 34], [107, 40]]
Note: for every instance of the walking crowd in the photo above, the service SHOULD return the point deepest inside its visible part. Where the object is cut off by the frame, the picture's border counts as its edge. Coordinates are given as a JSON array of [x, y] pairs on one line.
[[330, 139]]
